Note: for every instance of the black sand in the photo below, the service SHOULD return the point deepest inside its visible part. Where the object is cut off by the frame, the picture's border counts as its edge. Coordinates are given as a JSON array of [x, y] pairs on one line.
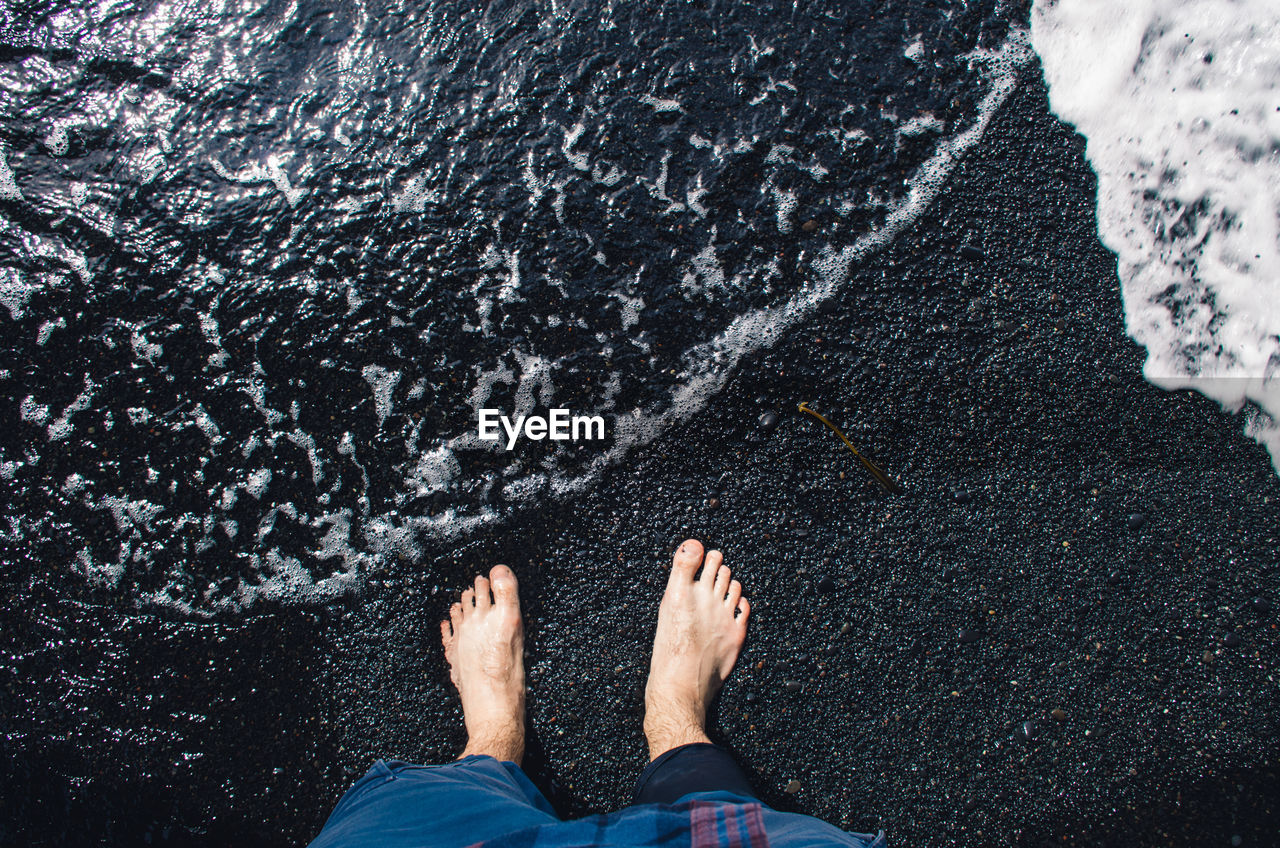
[[1004, 396]]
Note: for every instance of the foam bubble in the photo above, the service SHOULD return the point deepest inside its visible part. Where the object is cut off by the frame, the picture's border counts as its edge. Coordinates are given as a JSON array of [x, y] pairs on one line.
[[920, 125], [415, 196], [145, 349], [61, 428], [36, 413], [105, 574], [786, 203], [58, 141], [434, 471], [915, 50], [631, 307], [669, 105], [383, 382], [8, 185], [705, 273], [272, 171], [14, 292], [571, 136], [536, 185], [47, 328], [256, 483], [131, 514]]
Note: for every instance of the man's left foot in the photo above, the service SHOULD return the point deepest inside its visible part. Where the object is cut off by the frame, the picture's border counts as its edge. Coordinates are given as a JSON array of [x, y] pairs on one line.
[[702, 623], [484, 644]]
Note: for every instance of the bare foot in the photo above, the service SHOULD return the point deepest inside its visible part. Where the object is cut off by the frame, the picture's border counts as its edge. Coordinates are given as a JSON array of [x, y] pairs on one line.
[[701, 625], [484, 644]]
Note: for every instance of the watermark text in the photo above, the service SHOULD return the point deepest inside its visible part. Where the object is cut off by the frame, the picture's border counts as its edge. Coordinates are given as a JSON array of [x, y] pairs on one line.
[[559, 425]]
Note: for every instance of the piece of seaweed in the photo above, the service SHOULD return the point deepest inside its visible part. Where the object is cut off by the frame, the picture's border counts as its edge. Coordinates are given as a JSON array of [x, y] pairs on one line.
[[875, 471]]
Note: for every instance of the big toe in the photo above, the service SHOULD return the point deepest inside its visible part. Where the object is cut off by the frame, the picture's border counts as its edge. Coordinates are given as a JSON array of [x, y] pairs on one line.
[[687, 559], [506, 589]]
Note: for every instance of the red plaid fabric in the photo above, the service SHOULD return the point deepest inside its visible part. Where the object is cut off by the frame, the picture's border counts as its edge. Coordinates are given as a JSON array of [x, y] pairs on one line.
[[693, 824]]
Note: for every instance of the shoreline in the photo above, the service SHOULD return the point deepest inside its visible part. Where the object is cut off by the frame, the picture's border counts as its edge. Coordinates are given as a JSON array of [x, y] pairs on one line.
[[1002, 393]]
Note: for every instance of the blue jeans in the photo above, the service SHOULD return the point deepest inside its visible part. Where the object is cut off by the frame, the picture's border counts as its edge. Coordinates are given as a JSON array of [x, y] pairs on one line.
[[478, 799]]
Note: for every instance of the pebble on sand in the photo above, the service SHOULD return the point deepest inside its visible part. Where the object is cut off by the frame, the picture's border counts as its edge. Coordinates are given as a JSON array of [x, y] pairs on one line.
[[1059, 714], [792, 787], [1260, 605], [1136, 520], [967, 636], [968, 251], [1231, 640], [826, 584], [769, 420], [809, 225]]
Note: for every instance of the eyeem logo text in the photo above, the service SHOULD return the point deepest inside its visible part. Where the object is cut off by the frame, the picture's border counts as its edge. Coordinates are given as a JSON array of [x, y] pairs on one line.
[[559, 426]]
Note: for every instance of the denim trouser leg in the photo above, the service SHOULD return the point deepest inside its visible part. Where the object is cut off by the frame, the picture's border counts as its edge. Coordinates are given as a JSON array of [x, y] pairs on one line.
[[704, 772], [398, 805], [696, 767]]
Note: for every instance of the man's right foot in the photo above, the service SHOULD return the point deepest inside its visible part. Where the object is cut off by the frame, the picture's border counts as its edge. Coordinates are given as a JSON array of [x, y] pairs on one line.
[[701, 626]]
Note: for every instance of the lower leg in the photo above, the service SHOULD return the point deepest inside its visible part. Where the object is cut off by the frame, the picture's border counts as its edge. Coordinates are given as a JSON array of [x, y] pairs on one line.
[[398, 805], [484, 645], [702, 623]]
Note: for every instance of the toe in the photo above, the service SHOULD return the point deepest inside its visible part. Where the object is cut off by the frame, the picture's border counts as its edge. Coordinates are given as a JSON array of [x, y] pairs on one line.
[[735, 595], [505, 587], [711, 566], [455, 616], [722, 579], [686, 561], [483, 599], [468, 599], [744, 610], [446, 635]]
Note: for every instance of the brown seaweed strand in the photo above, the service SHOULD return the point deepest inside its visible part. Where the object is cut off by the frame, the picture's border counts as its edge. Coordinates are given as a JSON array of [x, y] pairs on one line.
[[880, 477]]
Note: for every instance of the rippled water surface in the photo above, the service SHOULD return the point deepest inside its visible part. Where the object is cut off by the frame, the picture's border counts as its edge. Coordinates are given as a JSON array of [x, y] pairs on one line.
[[262, 262]]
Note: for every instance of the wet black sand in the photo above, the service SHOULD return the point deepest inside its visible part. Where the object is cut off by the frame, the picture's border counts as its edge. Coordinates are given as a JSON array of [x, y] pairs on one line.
[[1000, 391]]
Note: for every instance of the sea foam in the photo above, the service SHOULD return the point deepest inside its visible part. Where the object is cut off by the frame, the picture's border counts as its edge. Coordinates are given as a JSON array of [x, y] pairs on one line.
[[1180, 105]]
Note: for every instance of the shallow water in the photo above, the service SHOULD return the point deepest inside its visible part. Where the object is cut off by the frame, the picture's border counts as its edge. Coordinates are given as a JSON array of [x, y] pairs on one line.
[[264, 262]]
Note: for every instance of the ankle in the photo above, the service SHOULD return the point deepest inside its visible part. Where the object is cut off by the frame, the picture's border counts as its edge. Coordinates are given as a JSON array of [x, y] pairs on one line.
[[664, 739], [506, 745], [669, 724]]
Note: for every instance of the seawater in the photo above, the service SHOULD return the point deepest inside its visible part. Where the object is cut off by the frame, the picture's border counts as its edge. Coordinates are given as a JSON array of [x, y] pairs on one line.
[[1180, 105], [263, 263]]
